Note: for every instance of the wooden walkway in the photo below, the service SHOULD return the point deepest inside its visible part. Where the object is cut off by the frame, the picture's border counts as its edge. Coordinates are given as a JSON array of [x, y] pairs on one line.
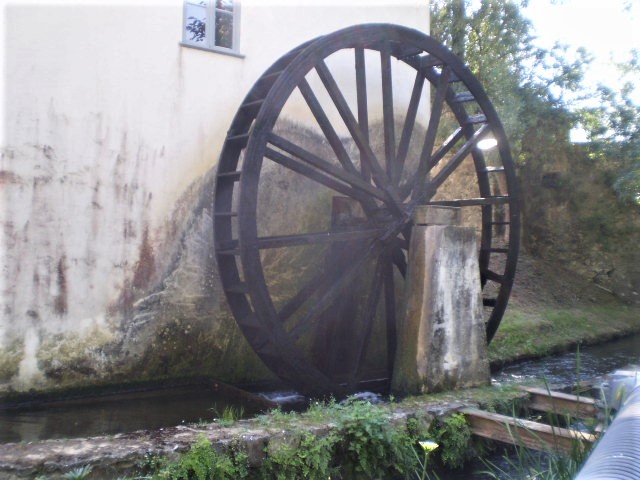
[[536, 435]]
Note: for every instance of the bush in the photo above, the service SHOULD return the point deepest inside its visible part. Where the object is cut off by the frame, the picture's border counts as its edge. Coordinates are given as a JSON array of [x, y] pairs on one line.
[[202, 462]]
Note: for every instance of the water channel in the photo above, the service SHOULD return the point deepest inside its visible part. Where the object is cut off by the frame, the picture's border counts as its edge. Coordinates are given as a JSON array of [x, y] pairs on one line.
[[584, 364], [161, 408]]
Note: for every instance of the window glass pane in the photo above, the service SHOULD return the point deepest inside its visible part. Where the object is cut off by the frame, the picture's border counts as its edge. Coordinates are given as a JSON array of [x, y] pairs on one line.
[[195, 23], [224, 29], [225, 5]]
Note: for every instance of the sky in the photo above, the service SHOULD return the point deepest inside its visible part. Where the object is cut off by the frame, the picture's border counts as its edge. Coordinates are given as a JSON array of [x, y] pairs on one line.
[[603, 27]]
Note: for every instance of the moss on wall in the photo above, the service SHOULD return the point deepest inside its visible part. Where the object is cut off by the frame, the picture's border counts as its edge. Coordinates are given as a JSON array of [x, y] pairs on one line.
[[170, 319], [572, 216], [10, 358]]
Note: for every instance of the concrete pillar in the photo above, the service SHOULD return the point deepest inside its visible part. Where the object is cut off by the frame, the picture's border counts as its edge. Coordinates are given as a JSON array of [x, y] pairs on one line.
[[441, 336]]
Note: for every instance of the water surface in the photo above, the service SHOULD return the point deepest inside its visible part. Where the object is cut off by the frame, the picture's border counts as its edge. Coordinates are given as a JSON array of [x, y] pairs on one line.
[[161, 408]]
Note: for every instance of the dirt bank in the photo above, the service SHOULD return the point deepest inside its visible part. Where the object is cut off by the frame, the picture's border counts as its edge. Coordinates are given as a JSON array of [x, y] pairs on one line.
[[552, 309]]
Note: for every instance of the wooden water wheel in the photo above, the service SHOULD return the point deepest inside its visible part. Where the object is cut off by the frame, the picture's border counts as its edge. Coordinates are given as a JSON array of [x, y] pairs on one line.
[[312, 217]]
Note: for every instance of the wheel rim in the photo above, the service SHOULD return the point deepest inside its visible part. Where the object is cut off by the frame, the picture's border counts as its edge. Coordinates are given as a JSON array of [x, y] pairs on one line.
[[355, 269]]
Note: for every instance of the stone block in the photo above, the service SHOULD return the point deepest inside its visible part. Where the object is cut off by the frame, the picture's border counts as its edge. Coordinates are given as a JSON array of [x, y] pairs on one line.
[[436, 215], [441, 336]]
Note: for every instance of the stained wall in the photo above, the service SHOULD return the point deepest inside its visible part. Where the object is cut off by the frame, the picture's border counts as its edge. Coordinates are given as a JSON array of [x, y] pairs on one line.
[[112, 131]]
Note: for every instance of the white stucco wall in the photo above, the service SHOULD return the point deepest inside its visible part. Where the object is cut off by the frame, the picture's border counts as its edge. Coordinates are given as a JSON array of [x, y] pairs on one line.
[[107, 121]]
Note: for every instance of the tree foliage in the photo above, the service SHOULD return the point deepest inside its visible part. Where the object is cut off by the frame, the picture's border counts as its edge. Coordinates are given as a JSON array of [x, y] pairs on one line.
[[536, 88], [613, 124], [497, 43]]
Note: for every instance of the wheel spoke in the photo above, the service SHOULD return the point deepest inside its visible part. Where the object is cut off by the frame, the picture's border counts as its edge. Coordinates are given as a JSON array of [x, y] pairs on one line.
[[363, 335], [432, 130], [319, 281], [387, 115], [409, 123], [279, 241], [314, 238], [363, 109], [352, 179], [326, 127], [472, 202], [315, 175], [445, 148], [379, 176], [454, 161], [347, 276], [399, 260], [390, 313]]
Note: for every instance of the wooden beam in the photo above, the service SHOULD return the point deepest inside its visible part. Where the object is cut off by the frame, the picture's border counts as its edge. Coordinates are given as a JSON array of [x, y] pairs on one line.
[[561, 403], [516, 431]]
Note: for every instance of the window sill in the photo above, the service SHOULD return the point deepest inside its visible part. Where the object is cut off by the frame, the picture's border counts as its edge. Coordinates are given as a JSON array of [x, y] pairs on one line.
[[223, 51]]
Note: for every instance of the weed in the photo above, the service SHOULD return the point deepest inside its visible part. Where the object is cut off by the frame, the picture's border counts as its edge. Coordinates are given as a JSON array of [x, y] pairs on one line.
[[526, 463], [418, 425], [80, 473], [230, 414], [201, 423], [319, 412], [202, 462], [427, 446], [276, 418], [363, 441], [310, 457], [151, 463], [370, 446], [454, 436]]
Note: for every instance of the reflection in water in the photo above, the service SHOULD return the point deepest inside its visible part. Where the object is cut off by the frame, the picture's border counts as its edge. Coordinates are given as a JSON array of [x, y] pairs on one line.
[[115, 414]]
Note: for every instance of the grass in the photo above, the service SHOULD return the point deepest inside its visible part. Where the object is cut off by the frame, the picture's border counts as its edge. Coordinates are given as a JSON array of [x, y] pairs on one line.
[[364, 441], [531, 334], [230, 414], [525, 463]]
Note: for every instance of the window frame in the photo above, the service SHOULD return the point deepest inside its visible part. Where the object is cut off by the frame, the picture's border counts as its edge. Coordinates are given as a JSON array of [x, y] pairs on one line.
[[209, 45]]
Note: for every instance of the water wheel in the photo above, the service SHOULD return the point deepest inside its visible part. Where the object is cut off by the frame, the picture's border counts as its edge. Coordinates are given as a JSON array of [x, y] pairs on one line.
[[324, 163]]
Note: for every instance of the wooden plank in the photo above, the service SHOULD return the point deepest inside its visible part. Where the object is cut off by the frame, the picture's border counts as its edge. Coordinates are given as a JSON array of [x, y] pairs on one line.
[[362, 141], [387, 116], [409, 122], [363, 109], [313, 174], [426, 158], [561, 403], [350, 177], [516, 431], [473, 202], [327, 128], [453, 163]]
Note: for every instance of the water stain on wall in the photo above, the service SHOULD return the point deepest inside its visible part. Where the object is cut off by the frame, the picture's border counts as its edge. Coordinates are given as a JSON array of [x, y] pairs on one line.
[[145, 267], [60, 304]]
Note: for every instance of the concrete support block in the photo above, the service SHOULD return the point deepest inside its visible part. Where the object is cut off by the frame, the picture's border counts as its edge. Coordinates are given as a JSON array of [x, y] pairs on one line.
[[441, 337], [437, 215]]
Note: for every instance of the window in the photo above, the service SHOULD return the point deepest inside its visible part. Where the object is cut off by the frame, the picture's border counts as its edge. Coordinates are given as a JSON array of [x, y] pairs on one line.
[[211, 25]]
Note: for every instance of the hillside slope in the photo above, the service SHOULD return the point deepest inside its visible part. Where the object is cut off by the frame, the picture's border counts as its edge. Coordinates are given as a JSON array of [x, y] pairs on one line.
[[553, 309]]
